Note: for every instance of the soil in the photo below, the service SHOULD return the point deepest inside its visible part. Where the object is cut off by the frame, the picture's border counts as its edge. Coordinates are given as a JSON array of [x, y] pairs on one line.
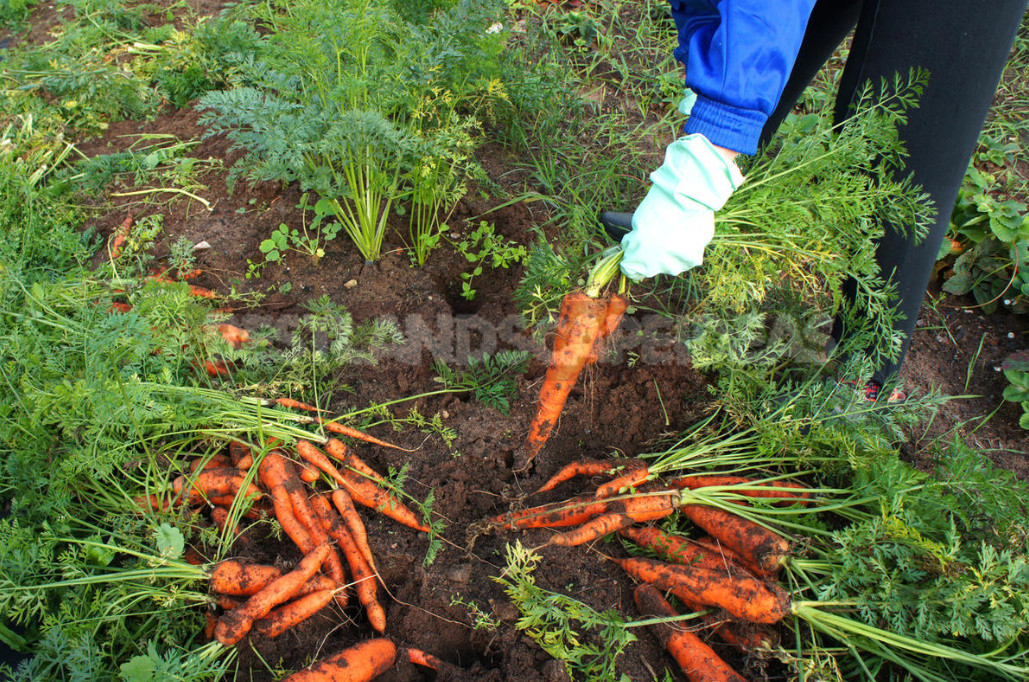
[[956, 350]]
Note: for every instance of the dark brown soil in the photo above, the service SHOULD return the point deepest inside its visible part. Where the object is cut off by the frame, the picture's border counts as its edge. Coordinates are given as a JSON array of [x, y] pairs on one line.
[[619, 407]]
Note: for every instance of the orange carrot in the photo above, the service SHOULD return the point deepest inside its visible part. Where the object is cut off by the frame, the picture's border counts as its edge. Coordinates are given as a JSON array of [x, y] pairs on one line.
[[681, 550], [120, 236], [213, 462], [296, 404], [556, 515], [343, 430], [631, 479], [744, 597], [788, 492], [209, 625], [365, 492], [117, 307], [362, 662], [317, 583], [314, 456], [337, 449], [351, 519], [697, 659], [364, 576], [616, 307], [578, 328], [419, 657], [619, 514], [214, 483], [274, 471], [234, 625], [304, 513], [295, 612], [757, 546], [237, 451], [588, 467], [235, 336], [238, 579], [308, 474]]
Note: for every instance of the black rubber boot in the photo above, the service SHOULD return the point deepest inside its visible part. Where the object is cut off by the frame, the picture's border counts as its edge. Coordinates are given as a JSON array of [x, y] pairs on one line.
[[617, 225]]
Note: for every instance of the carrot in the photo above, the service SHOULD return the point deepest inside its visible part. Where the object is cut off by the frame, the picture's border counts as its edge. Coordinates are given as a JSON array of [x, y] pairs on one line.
[[120, 236], [788, 492], [315, 584], [245, 462], [216, 368], [227, 603], [305, 514], [619, 514], [214, 483], [351, 519], [235, 624], [556, 515], [587, 467], [213, 462], [296, 404], [274, 471], [745, 637], [578, 328], [117, 307], [697, 659], [238, 579], [343, 430], [743, 597], [235, 336], [340, 451], [681, 550], [365, 492], [210, 623], [628, 480], [616, 307], [757, 546], [237, 451], [362, 662], [361, 489], [295, 612], [308, 475], [419, 657], [364, 576]]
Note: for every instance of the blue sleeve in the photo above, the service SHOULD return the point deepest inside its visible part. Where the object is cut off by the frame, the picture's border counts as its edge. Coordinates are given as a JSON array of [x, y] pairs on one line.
[[738, 55]]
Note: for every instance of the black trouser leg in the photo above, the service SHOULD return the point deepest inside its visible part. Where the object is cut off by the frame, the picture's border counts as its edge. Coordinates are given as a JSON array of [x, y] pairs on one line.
[[964, 46]]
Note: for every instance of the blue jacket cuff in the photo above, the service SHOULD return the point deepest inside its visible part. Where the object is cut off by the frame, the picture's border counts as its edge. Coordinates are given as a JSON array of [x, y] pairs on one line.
[[726, 125]]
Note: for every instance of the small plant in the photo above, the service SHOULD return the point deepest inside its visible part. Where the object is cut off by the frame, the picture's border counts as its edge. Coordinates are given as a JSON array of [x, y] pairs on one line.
[[182, 257], [308, 240], [484, 246], [490, 379], [559, 623], [480, 619], [1016, 370]]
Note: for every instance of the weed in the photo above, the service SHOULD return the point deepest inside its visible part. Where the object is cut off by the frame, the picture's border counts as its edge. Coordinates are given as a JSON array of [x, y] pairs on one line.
[[559, 624], [484, 247], [480, 619], [308, 240], [1016, 371], [490, 379]]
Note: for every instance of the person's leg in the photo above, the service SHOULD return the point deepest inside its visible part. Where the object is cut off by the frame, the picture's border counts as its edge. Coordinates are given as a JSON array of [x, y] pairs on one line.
[[831, 21], [964, 46]]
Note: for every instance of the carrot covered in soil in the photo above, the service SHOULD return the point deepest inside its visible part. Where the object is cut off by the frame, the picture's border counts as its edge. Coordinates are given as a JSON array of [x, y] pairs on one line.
[[296, 405], [295, 612], [364, 575], [578, 328], [681, 550], [214, 483], [362, 662], [367, 493], [555, 515], [241, 580], [630, 480], [743, 597], [213, 462], [589, 467], [340, 451], [274, 471], [348, 512], [698, 661], [619, 514], [757, 547], [234, 625], [351, 432]]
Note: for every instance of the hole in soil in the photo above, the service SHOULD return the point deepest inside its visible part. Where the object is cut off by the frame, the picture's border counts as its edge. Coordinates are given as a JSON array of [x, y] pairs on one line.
[[458, 303]]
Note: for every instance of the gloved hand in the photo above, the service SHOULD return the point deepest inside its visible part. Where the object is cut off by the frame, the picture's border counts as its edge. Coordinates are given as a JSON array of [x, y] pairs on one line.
[[676, 220]]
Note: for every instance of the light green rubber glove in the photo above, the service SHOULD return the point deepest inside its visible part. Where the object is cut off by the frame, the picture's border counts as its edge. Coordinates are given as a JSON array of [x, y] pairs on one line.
[[676, 220]]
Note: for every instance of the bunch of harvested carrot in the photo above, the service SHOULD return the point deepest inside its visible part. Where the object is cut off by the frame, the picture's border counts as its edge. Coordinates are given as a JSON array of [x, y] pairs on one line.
[[586, 317]]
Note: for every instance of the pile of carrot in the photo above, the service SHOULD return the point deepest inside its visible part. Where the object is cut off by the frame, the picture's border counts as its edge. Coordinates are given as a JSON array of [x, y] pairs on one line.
[[728, 574], [323, 524]]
